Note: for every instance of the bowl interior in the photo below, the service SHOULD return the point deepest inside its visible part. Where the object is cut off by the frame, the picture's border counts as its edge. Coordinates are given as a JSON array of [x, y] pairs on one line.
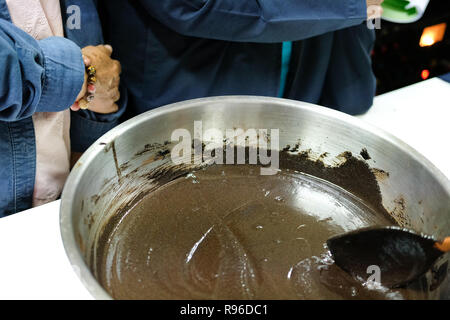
[[114, 173]]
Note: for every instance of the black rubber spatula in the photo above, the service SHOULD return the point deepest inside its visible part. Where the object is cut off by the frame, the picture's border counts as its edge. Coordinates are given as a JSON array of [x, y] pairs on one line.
[[401, 255]]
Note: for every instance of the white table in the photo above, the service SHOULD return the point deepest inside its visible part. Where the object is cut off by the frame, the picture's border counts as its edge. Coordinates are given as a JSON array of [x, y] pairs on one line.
[[420, 116], [33, 264]]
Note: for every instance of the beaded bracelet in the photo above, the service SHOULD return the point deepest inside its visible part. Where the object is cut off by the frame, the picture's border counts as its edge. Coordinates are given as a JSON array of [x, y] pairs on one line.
[[92, 80]]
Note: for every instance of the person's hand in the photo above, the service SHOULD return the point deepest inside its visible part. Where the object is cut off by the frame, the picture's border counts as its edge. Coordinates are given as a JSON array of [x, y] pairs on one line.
[[374, 9], [108, 79]]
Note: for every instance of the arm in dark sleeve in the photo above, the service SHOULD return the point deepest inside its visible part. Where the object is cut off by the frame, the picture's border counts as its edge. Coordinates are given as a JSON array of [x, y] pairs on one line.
[[37, 76], [350, 83], [256, 20]]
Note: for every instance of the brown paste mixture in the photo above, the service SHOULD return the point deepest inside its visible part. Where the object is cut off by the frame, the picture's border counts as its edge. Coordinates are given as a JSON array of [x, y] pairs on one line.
[[226, 232]]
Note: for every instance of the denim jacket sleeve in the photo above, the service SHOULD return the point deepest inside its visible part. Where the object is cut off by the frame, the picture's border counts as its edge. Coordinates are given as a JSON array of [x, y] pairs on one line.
[[256, 20], [37, 76]]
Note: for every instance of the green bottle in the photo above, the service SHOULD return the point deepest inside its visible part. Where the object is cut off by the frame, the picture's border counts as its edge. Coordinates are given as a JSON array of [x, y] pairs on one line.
[[404, 11]]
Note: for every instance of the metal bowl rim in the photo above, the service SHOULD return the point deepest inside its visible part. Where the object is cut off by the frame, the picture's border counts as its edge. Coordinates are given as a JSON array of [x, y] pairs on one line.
[[66, 225]]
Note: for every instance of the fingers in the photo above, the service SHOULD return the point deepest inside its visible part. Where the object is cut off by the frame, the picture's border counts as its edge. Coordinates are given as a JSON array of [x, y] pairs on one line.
[[114, 108], [117, 66], [106, 85], [106, 49], [116, 95], [86, 60], [108, 73], [109, 48], [113, 94]]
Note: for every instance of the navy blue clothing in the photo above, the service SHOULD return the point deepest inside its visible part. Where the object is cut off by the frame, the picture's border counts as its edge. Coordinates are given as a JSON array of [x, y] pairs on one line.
[[41, 76], [445, 77], [174, 50]]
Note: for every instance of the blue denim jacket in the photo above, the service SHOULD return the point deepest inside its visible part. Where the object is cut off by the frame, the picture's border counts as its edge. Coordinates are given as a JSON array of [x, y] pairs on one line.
[[173, 50], [42, 76]]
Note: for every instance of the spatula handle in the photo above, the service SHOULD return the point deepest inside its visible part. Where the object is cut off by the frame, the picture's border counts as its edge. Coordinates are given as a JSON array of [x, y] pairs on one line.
[[443, 246]]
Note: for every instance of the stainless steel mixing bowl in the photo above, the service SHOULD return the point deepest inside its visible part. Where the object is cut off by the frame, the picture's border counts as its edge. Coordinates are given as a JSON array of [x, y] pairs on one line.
[[112, 173]]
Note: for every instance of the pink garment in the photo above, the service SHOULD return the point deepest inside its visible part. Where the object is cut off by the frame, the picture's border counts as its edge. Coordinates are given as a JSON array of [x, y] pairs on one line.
[[42, 19]]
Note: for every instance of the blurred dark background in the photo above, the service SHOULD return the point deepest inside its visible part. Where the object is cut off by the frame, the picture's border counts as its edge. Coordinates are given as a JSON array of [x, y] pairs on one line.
[[399, 60]]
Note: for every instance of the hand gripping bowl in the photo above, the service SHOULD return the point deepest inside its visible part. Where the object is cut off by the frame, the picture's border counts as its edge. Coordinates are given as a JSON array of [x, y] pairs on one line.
[[113, 173]]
